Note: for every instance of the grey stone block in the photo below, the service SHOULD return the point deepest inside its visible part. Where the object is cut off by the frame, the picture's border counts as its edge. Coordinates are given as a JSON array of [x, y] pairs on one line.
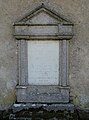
[[43, 24]]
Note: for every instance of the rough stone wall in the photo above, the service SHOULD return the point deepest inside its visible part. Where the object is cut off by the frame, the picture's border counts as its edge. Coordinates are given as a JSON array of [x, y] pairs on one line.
[[75, 10]]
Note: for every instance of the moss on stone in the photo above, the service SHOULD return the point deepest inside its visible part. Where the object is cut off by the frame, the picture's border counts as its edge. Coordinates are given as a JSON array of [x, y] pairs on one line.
[[81, 101], [8, 99]]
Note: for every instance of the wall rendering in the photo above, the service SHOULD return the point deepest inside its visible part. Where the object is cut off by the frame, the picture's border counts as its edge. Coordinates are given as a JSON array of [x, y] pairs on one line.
[[74, 10]]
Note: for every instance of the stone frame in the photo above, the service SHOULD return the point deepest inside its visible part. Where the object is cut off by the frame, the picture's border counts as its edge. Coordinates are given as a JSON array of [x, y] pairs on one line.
[[61, 31]]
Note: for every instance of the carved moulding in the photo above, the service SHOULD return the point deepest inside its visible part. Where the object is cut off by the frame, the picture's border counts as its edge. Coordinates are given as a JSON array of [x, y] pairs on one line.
[[43, 24]]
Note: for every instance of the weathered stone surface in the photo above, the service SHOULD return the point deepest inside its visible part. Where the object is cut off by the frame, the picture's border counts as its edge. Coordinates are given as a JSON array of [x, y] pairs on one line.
[[83, 113], [48, 107], [78, 12], [43, 22], [43, 114], [42, 94], [45, 63]]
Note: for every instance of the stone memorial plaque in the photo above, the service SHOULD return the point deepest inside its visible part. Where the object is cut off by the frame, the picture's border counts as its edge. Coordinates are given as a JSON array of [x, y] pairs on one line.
[[43, 37], [43, 62]]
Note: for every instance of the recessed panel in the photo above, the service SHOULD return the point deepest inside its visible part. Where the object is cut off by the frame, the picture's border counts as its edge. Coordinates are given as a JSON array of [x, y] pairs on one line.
[[43, 62]]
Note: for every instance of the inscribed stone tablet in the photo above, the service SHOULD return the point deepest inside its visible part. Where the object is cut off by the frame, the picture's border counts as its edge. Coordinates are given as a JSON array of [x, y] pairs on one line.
[[43, 62]]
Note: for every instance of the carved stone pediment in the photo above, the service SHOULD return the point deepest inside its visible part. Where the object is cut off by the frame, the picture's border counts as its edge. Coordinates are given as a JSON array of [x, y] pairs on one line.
[[43, 57], [43, 22]]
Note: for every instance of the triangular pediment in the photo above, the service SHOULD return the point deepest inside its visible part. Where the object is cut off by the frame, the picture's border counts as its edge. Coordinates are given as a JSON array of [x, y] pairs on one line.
[[42, 18], [43, 23], [42, 15]]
